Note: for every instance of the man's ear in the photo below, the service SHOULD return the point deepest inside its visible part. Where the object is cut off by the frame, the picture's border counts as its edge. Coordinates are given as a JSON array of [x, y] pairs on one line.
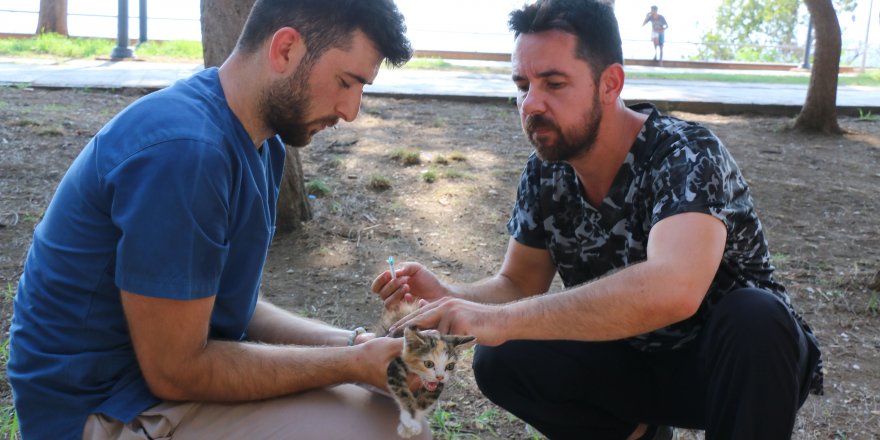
[[286, 49], [611, 84]]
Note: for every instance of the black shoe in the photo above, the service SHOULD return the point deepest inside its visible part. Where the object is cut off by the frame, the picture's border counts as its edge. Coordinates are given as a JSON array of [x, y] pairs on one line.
[[659, 433]]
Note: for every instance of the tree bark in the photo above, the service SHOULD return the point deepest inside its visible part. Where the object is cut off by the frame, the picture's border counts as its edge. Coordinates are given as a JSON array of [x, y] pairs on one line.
[[53, 17], [222, 22], [819, 113]]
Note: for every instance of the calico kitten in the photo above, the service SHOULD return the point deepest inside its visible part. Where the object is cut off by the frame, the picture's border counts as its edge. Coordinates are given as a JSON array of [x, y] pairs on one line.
[[432, 358]]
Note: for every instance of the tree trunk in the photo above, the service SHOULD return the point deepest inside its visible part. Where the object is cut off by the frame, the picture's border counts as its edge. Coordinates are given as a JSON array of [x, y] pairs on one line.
[[53, 17], [819, 112], [222, 22]]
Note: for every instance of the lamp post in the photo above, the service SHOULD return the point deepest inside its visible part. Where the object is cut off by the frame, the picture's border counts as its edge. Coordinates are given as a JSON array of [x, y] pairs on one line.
[[806, 64], [142, 14], [122, 51], [867, 33]]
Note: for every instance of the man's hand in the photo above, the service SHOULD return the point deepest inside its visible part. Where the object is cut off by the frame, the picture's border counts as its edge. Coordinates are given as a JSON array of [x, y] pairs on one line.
[[411, 280], [375, 356], [459, 317]]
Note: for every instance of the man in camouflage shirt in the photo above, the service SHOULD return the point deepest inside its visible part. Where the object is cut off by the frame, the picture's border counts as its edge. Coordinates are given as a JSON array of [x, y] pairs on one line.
[[671, 315]]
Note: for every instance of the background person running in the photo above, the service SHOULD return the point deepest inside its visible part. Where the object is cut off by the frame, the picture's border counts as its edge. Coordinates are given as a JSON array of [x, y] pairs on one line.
[[658, 28]]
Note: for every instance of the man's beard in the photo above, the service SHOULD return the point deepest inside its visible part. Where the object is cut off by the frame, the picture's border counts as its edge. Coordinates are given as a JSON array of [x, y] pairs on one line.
[[285, 105], [566, 147]]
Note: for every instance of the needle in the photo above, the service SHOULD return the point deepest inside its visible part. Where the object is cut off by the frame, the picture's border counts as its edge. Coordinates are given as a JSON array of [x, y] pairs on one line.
[[391, 265]]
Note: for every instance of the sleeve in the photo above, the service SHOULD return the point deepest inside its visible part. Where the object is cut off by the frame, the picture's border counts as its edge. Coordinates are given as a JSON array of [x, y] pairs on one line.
[[170, 203], [526, 224], [695, 176]]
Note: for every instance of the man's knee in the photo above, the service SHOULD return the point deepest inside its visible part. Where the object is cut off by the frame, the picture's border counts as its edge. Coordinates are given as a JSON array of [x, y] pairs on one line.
[[754, 317], [489, 370]]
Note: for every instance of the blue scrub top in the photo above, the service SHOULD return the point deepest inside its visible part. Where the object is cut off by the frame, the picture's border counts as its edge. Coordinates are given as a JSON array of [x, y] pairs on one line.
[[171, 199]]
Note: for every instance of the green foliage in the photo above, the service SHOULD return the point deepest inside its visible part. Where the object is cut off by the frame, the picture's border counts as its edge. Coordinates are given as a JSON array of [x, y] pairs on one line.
[[428, 63], [749, 30], [8, 417], [866, 116], [379, 182], [429, 176], [318, 188], [407, 156], [182, 49], [759, 31], [55, 45]]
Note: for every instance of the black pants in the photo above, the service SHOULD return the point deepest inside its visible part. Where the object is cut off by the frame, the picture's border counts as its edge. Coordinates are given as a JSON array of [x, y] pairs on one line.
[[744, 377]]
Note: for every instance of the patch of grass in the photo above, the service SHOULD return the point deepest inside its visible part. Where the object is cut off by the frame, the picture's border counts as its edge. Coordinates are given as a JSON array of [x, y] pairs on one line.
[[3, 105], [379, 182], [428, 64], [60, 46], [483, 422], [779, 258], [874, 303], [57, 46], [447, 425], [318, 188], [407, 157], [8, 417], [429, 176], [867, 116], [51, 132], [866, 78], [178, 49], [457, 156], [441, 160], [10, 292], [455, 174]]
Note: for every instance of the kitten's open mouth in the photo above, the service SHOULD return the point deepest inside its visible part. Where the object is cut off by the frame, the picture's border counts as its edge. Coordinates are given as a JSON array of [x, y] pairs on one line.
[[431, 386]]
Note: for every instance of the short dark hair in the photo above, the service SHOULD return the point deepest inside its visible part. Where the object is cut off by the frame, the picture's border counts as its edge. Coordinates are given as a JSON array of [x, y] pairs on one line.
[[326, 24], [591, 21]]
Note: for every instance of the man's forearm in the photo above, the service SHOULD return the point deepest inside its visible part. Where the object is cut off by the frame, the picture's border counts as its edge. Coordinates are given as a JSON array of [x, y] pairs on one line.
[[493, 290], [273, 325], [228, 371], [621, 305]]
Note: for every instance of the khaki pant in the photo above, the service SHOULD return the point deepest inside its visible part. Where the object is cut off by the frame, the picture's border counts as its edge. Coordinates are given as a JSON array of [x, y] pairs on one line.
[[343, 412]]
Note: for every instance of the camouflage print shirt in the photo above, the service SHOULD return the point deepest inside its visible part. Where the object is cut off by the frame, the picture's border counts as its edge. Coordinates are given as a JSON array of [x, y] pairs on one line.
[[673, 167]]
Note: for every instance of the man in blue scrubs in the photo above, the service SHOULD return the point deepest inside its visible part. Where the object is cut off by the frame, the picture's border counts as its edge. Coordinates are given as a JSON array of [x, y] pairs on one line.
[[138, 312]]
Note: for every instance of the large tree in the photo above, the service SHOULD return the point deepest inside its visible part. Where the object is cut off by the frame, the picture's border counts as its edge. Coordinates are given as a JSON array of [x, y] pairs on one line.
[[222, 22], [53, 17], [819, 112]]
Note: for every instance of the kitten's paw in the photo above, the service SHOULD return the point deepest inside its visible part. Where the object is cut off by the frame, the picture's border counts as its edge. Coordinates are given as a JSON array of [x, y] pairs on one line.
[[409, 428]]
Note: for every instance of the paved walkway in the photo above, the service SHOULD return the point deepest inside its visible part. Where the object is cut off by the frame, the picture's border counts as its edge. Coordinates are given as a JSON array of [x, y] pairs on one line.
[[696, 96]]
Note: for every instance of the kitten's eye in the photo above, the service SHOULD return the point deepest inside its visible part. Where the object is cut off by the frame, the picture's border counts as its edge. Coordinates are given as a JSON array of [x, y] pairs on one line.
[[429, 364], [450, 366]]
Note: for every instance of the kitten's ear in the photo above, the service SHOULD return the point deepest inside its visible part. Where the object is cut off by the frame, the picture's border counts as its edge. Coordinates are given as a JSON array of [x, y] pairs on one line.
[[412, 337], [456, 341]]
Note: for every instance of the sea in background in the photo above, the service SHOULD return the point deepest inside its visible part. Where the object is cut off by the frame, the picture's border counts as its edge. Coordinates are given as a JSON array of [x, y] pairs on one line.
[[452, 25]]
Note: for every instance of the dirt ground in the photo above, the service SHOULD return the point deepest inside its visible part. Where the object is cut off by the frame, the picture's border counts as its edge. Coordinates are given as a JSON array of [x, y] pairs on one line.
[[817, 196]]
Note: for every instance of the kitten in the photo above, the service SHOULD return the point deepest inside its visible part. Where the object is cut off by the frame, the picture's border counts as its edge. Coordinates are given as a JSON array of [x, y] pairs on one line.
[[432, 358]]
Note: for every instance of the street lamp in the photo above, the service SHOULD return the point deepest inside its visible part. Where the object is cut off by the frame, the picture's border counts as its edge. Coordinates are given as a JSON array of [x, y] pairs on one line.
[[122, 51]]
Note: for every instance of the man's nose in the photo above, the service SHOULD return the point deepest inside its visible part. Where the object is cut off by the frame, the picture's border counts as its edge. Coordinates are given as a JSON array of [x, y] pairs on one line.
[[532, 103], [349, 107]]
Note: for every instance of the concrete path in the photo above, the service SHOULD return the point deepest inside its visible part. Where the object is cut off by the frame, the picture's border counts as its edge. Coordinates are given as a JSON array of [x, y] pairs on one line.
[[695, 96]]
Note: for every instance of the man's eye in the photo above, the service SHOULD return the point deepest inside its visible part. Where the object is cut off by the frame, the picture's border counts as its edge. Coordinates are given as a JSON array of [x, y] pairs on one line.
[[555, 85], [344, 84], [522, 87]]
